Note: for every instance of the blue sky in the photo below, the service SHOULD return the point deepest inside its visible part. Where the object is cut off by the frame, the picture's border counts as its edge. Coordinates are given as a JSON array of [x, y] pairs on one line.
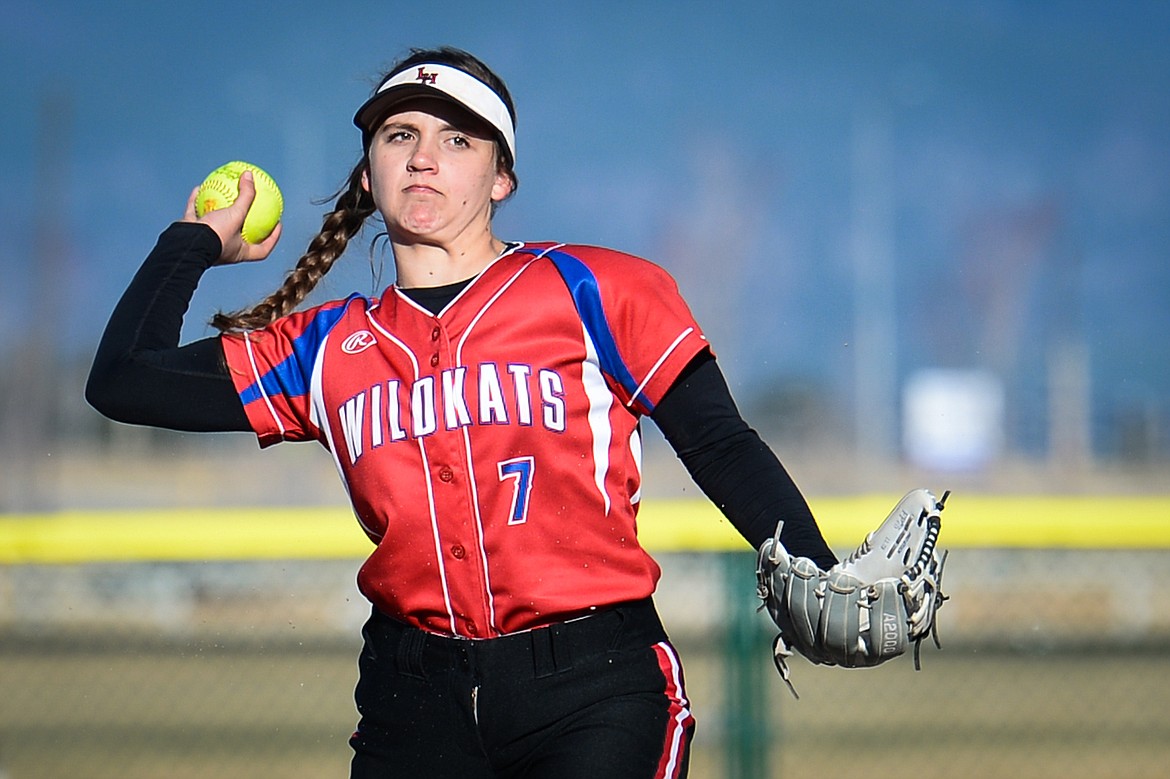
[[1021, 148]]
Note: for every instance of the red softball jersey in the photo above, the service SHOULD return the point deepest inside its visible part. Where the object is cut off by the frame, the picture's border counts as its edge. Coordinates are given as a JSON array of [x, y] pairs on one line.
[[491, 451]]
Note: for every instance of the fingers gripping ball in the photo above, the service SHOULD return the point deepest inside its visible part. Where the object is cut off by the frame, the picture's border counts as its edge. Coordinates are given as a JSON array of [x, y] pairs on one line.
[[868, 608], [222, 186]]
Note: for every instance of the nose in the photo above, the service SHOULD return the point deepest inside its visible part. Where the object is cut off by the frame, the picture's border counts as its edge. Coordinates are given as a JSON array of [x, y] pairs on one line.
[[422, 157]]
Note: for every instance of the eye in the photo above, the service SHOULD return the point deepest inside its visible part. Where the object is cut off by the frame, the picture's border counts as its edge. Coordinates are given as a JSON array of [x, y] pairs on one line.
[[460, 141], [392, 134]]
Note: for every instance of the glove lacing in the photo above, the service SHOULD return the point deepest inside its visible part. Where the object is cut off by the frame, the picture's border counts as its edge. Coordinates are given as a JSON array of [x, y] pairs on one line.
[[769, 551], [930, 583]]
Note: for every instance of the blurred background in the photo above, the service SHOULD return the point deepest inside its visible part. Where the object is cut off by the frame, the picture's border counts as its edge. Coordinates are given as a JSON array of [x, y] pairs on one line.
[[928, 241]]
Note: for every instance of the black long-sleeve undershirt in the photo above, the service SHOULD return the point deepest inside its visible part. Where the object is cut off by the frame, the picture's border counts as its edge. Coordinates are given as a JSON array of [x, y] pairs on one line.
[[141, 375], [733, 466]]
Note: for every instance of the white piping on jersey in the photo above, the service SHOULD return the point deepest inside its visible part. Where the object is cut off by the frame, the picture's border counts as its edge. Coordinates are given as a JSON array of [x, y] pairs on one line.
[[596, 391], [434, 514], [600, 401], [318, 414], [479, 315], [426, 469], [260, 383], [657, 365], [509, 248], [479, 530], [483, 560]]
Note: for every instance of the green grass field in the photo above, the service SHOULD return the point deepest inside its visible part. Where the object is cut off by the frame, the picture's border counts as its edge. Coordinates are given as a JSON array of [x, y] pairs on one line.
[[127, 709]]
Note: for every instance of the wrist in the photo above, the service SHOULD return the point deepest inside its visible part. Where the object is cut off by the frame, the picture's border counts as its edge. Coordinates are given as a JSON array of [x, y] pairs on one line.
[[192, 241]]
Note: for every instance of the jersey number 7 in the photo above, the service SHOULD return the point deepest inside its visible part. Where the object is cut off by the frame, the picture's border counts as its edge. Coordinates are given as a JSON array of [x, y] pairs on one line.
[[519, 470]]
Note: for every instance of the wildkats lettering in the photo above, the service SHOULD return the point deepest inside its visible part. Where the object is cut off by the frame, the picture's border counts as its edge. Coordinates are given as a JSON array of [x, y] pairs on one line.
[[393, 410]]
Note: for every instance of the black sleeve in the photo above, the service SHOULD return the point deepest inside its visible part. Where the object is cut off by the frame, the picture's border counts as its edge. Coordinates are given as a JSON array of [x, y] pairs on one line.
[[140, 374], [733, 466]]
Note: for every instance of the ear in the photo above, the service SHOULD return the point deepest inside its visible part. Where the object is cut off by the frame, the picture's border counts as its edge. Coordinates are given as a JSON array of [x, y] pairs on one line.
[[366, 178], [502, 186]]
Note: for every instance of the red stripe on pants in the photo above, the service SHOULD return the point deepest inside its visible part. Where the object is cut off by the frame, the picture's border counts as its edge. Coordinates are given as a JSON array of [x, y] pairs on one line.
[[681, 722]]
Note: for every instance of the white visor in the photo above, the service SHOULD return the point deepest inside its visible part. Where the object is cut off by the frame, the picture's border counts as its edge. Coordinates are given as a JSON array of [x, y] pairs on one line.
[[440, 81]]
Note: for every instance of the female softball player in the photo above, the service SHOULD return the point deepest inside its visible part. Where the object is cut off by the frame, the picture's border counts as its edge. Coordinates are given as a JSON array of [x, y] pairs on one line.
[[483, 414]]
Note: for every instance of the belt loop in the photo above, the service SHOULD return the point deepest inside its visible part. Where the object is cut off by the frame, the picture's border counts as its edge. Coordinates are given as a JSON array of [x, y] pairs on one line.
[[551, 651], [562, 647], [543, 659], [410, 653]]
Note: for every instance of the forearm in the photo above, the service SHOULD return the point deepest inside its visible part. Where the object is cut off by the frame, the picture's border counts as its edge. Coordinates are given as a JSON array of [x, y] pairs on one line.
[[140, 374], [733, 467]]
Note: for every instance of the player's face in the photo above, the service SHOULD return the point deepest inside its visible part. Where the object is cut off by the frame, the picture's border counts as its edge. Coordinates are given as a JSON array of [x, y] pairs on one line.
[[434, 173]]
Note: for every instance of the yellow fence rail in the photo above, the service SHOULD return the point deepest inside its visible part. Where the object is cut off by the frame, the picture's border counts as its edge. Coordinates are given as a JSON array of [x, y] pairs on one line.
[[186, 534]]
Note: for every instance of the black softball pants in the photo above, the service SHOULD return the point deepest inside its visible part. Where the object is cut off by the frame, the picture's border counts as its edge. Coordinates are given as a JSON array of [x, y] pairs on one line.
[[600, 696]]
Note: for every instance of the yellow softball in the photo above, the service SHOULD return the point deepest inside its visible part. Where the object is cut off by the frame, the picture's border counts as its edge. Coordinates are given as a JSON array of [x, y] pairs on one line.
[[222, 186]]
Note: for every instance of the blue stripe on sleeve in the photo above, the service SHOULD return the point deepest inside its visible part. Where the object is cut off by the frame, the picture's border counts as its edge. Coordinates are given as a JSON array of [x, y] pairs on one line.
[[291, 377], [586, 296]]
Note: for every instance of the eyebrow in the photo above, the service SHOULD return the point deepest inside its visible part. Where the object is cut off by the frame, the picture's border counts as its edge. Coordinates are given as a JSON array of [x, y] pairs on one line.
[[468, 128], [399, 125]]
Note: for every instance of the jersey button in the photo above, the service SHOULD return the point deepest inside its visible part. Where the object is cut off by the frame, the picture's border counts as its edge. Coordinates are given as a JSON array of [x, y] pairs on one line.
[[434, 360], [435, 334], [446, 474], [458, 552], [472, 628]]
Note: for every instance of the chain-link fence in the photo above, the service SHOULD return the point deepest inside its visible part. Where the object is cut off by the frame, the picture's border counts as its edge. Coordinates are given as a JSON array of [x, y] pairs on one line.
[[1053, 665]]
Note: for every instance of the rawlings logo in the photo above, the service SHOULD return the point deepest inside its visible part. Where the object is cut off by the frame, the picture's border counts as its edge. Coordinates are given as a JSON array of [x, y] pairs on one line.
[[425, 78], [358, 342]]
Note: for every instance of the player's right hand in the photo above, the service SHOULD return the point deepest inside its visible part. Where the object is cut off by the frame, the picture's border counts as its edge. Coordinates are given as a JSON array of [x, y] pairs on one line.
[[228, 224]]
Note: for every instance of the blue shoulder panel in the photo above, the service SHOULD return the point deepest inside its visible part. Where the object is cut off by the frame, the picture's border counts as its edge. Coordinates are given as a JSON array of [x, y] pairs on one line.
[[291, 377], [586, 296]]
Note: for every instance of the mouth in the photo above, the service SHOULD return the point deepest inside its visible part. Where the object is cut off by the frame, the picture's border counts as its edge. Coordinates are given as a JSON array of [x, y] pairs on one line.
[[421, 189]]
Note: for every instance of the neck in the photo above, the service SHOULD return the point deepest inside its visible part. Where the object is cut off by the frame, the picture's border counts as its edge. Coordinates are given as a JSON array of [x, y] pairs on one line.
[[426, 264]]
